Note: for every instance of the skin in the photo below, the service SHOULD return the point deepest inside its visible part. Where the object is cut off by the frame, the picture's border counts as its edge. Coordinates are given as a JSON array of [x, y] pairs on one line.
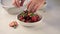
[[17, 3], [32, 6]]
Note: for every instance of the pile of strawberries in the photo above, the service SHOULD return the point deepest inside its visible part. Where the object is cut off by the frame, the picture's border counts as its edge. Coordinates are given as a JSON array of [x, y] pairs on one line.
[[27, 16]]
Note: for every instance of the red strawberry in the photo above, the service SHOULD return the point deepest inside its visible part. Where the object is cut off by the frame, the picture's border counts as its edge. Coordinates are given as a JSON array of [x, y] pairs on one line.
[[34, 19], [37, 17], [30, 20], [26, 21], [21, 18]]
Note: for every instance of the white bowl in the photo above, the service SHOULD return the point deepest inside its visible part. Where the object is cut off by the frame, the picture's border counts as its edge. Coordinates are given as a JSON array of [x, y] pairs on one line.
[[12, 9], [31, 24], [7, 5]]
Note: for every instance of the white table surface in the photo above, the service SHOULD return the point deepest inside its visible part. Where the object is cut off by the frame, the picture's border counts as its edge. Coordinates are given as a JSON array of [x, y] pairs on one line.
[[50, 25]]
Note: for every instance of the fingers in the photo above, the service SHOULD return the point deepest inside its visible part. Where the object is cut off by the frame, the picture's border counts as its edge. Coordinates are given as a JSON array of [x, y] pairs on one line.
[[29, 4], [35, 8], [17, 3], [38, 6], [14, 2], [32, 6]]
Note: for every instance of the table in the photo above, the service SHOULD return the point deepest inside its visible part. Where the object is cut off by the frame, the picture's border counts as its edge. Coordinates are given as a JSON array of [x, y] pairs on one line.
[[50, 25]]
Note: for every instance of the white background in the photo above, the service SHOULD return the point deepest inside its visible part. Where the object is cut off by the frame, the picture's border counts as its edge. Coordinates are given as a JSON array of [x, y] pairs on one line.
[[50, 25]]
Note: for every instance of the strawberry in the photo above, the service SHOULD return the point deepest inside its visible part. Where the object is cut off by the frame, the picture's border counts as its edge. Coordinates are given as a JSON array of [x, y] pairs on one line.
[[26, 21], [30, 20], [34, 19], [37, 17], [21, 18], [28, 16]]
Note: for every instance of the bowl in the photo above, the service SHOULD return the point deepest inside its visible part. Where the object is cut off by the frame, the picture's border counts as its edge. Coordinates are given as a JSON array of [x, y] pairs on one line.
[[31, 24], [11, 9]]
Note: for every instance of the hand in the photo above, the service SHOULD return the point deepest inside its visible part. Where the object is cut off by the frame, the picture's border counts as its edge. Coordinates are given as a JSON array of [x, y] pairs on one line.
[[17, 3], [35, 5]]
